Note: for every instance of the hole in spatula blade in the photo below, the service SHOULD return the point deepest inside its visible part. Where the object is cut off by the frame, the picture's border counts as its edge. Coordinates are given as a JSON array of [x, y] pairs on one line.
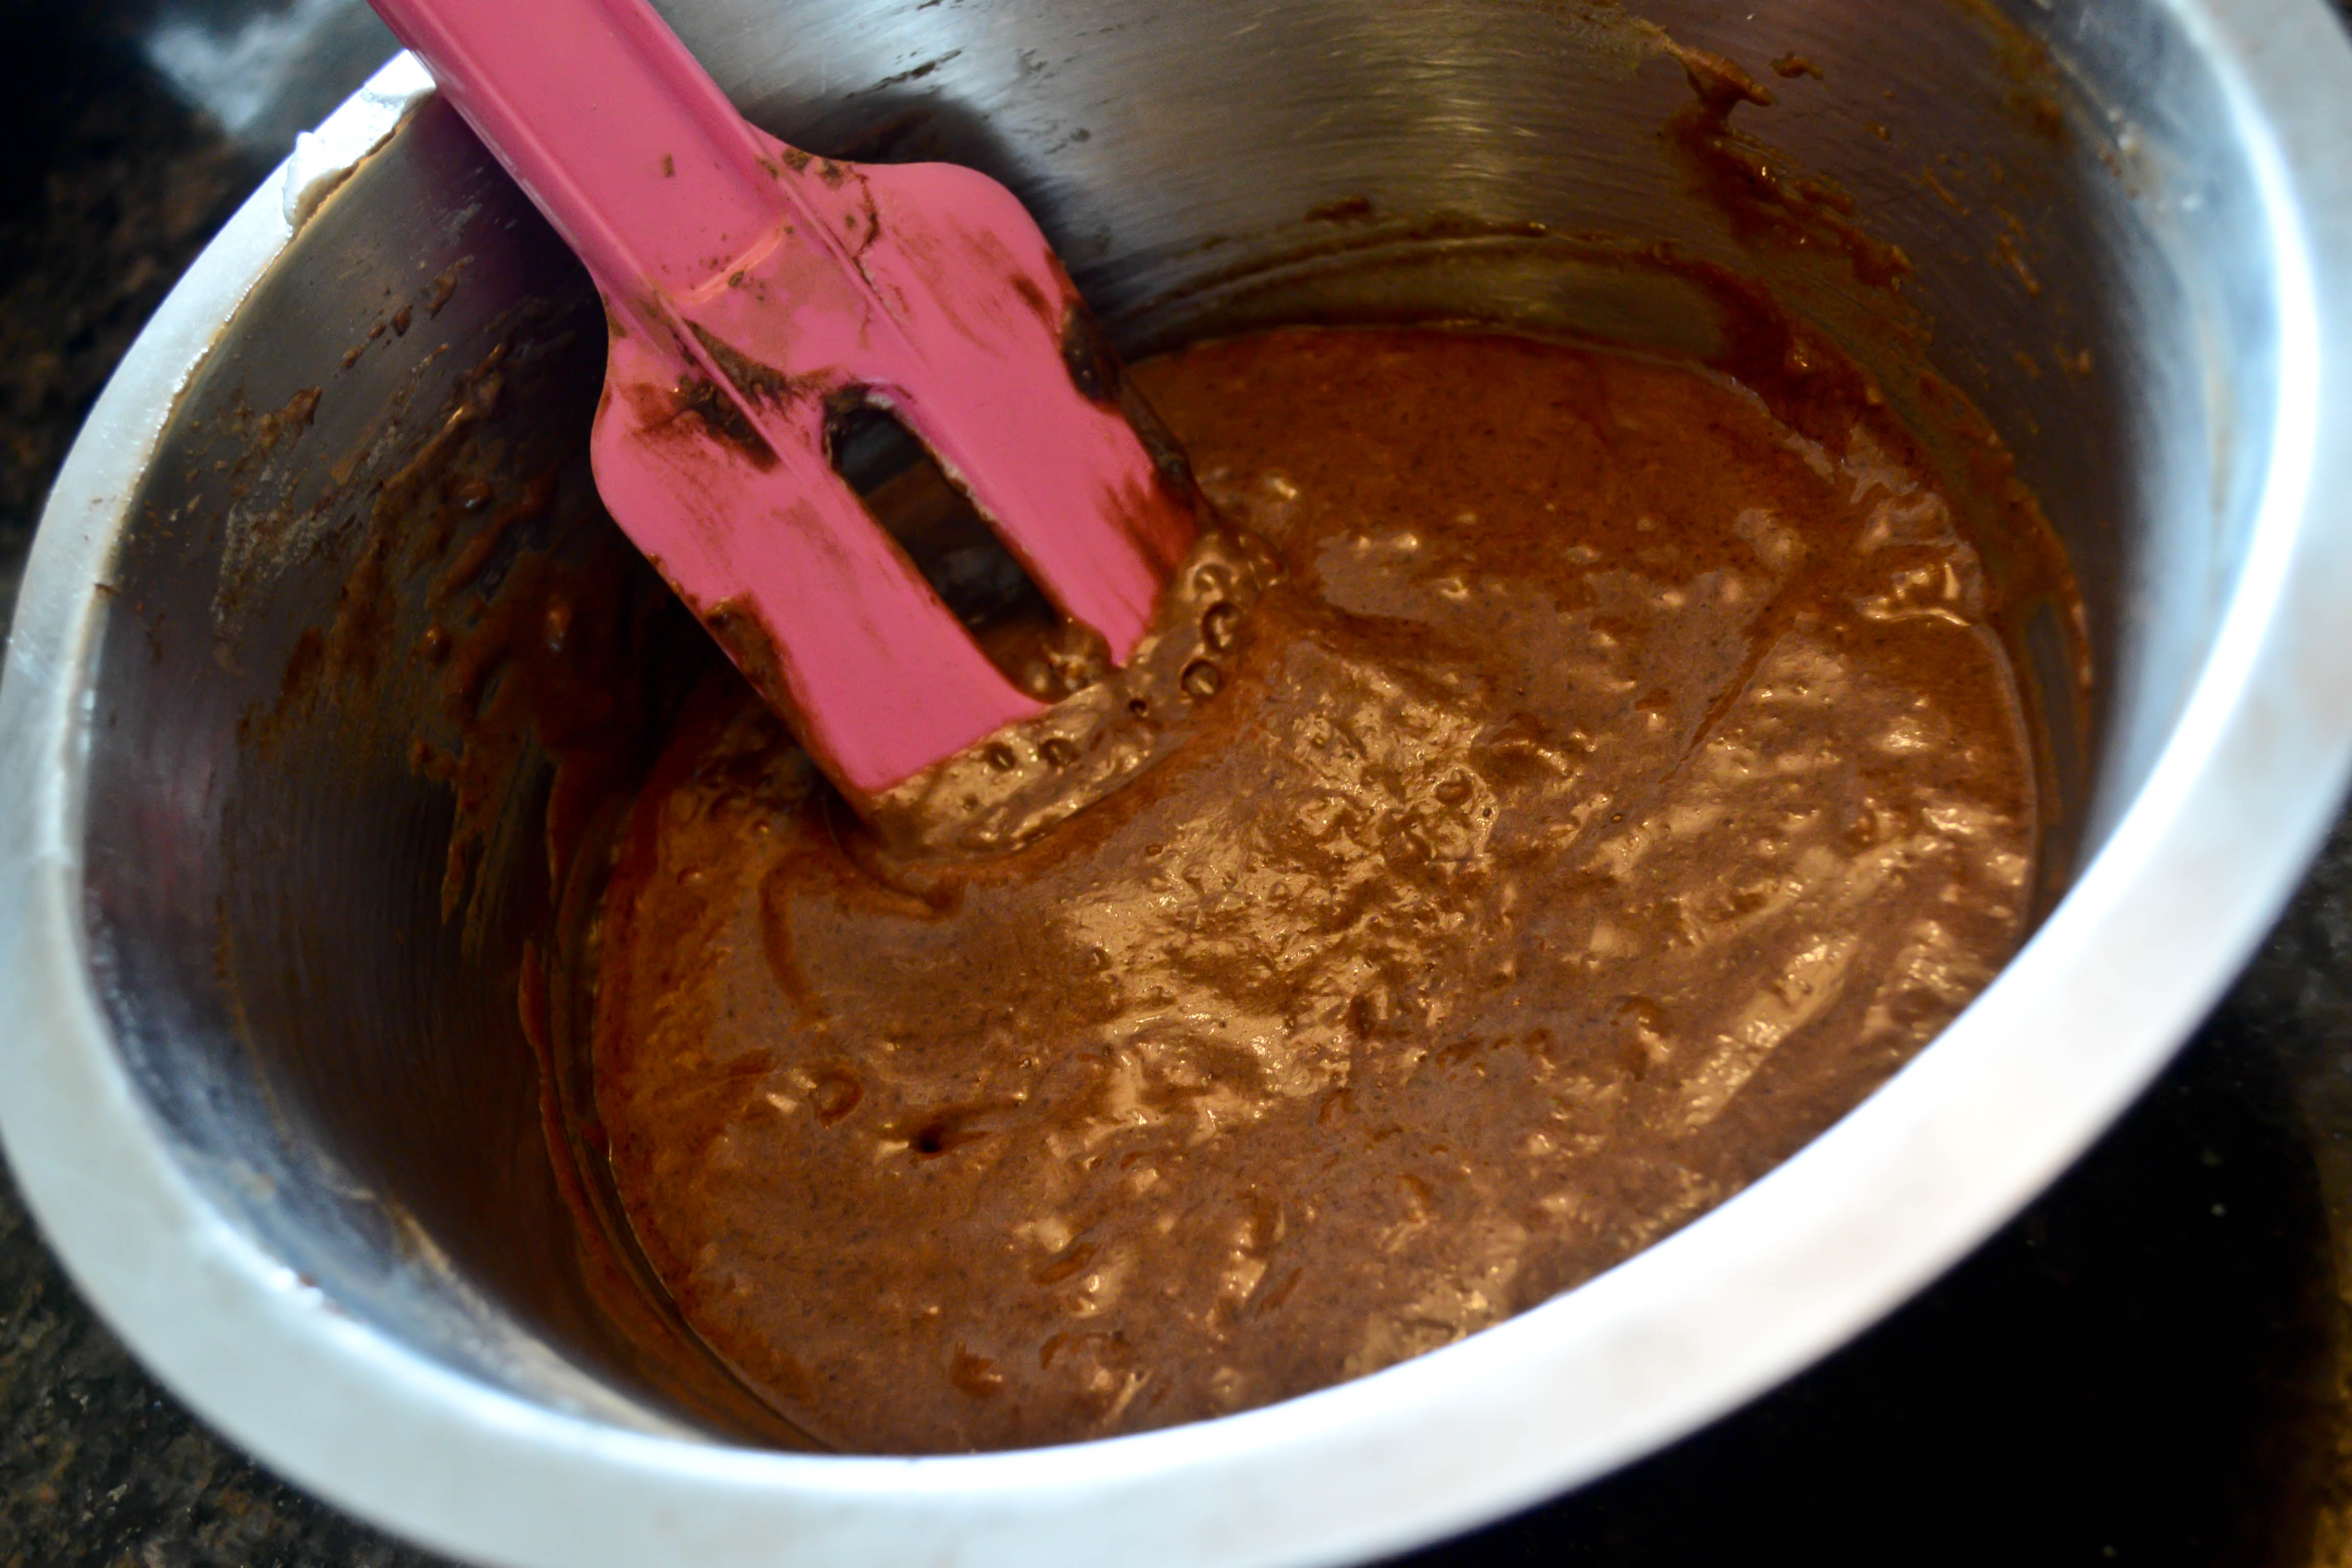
[[907, 491]]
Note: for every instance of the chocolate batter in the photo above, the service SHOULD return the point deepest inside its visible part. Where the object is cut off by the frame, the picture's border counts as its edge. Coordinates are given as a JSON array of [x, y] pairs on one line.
[[1613, 788]]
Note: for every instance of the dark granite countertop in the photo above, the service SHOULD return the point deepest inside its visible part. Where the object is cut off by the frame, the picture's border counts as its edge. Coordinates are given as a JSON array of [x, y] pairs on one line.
[[2148, 1366]]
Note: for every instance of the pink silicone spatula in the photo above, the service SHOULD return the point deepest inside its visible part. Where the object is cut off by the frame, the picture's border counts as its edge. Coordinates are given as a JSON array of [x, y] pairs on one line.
[[750, 288]]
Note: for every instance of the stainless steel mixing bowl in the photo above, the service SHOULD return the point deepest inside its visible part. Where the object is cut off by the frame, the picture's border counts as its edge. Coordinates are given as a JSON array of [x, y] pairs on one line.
[[309, 1187]]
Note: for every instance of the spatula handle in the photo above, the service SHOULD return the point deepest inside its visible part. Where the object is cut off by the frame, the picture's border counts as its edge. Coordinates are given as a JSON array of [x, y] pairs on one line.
[[614, 130]]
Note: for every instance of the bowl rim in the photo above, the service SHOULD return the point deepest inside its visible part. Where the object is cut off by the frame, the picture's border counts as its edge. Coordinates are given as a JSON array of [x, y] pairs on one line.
[[1833, 1239]]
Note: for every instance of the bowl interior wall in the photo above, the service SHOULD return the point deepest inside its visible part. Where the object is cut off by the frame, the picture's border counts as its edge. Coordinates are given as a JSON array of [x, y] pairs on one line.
[[342, 1065]]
